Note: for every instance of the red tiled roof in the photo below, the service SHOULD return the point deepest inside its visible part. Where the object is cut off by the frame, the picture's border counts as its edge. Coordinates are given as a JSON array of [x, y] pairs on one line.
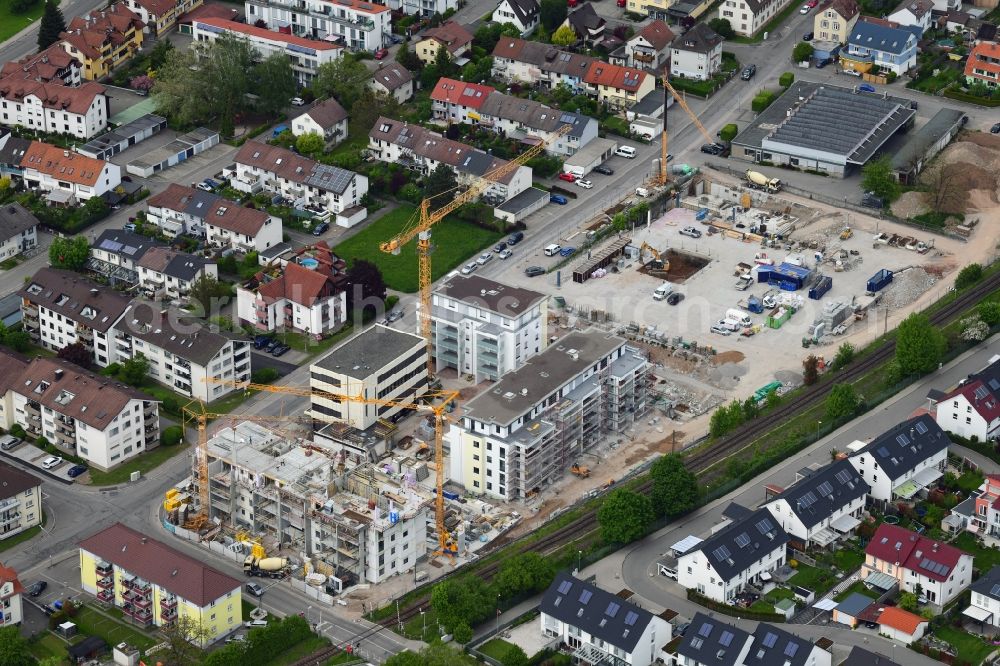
[[8, 575], [43, 66], [300, 285], [264, 33], [275, 159], [892, 543], [157, 8], [88, 33], [986, 50], [846, 9], [614, 76], [453, 36], [657, 33], [225, 214], [187, 577], [53, 95], [989, 406], [207, 11], [452, 91], [62, 164], [901, 620]]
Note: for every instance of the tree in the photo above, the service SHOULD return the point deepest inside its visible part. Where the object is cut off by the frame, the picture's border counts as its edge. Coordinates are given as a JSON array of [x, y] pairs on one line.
[[408, 59], [440, 183], [344, 79], [50, 26], [365, 286], [908, 601], [69, 253], [841, 403], [563, 36], [526, 573], [877, 178], [514, 656], [729, 132], [552, 14], [810, 370], [179, 93], [786, 79], [181, 640], [171, 435], [19, 341], [310, 143], [974, 329], [675, 489], [405, 658], [462, 633], [624, 516], [135, 370], [919, 345], [273, 83], [14, 649], [802, 52], [989, 312], [367, 109], [76, 353], [946, 192], [969, 276], [845, 354], [141, 82], [209, 294], [722, 27]]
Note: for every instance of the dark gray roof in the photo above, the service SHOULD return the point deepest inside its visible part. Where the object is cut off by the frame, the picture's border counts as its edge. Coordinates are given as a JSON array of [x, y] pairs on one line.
[[734, 548], [819, 117], [175, 332], [125, 243], [599, 613], [330, 178], [862, 657], [854, 604], [776, 647], [989, 583], [736, 511], [12, 149], [490, 295], [525, 10], [989, 376], [174, 263], [879, 37], [392, 76], [816, 497], [370, 350], [699, 39], [905, 445], [533, 114], [944, 122], [987, 32], [967, 507], [712, 641], [15, 219], [585, 18], [75, 297]]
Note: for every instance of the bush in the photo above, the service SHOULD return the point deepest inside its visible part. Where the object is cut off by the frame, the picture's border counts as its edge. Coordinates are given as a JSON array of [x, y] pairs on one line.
[[264, 376], [763, 100], [786, 79], [171, 435], [729, 132], [726, 609], [17, 431], [969, 276]]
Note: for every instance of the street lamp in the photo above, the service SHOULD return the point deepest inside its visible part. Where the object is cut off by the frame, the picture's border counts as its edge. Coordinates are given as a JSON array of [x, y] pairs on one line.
[[498, 616], [423, 619], [579, 557]]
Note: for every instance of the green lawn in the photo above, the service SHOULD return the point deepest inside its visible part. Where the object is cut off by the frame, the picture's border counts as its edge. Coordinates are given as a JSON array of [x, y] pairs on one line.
[[777, 594], [971, 649], [812, 578], [49, 645], [858, 587], [985, 557], [144, 463], [303, 649], [94, 623], [453, 242], [496, 648], [26, 535], [762, 606], [847, 559], [11, 23]]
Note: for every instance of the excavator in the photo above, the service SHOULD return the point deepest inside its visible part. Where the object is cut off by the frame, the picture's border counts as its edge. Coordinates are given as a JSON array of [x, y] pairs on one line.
[[657, 263]]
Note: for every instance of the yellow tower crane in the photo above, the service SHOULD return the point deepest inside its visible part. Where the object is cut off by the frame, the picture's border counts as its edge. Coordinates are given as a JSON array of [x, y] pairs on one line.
[[419, 227], [669, 89]]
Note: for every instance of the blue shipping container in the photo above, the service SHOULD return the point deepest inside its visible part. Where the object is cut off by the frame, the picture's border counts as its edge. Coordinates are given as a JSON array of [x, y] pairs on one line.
[[879, 281], [450, 495], [817, 291]]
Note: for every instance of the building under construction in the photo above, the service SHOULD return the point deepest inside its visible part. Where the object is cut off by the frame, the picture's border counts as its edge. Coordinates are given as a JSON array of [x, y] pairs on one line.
[[354, 522]]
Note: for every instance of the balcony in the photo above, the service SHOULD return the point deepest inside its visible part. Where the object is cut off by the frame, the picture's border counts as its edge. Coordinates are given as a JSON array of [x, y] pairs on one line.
[[106, 596], [8, 517], [106, 583], [168, 614], [639, 56], [168, 601]]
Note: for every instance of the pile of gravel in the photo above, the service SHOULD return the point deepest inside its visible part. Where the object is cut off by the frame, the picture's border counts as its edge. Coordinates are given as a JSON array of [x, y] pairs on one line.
[[907, 287]]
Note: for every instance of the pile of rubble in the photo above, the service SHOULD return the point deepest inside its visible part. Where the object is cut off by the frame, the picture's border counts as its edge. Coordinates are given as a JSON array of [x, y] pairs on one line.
[[907, 286]]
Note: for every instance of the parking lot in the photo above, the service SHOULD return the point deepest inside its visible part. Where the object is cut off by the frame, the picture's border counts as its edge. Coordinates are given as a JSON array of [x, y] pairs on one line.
[[34, 458]]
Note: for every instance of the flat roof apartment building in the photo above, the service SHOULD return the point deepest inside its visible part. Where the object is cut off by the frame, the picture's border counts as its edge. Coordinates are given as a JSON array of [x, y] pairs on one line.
[[525, 431], [355, 24]]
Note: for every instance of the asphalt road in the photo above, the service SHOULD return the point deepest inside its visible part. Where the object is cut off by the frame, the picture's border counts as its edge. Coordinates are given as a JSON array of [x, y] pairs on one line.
[[26, 41]]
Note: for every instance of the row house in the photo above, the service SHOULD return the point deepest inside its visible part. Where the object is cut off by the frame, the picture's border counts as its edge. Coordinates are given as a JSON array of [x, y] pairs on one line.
[[984, 601], [222, 223], [451, 36], [160, 16], [873, 45], [18, 230], [972, 409], [835, 19], [305, 55], [423, 8], [616, 86], [985, 519], [983, 64], [454, 101], [711, 641], [394, 80], [327, 190], [50, 65], [327, 119], [128, 260], [12, 365], [529, 120], [67, 177], [20, 493], [355, 24], [103, 40], [422, 150], [522, 14]]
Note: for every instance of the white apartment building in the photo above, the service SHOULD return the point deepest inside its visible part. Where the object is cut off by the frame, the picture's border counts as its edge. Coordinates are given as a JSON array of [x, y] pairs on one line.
[[913, 13], [355, 24], [67, 176], [81, 112], [600, 626], [305, 54], [484, 328], [526, 431], [697, 54], [11, 590], [985, 600], [973, 408], [823, 506], [903, 460], [312, 300], [12, 365], [20, 501], [84, 414], [380, 362], [18, 230], [328, 190], [737, 555], [748, 16], [522, 13], [424, 8]]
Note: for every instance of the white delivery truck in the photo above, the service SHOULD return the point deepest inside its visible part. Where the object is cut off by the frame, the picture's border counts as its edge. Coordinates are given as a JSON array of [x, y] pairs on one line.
[[739, 317], [662, 291]]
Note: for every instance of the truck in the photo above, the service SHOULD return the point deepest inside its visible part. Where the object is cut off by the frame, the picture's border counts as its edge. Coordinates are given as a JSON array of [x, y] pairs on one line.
[[879, 281], [267, 567], [744, 282], [738, 317], [580, 470], [662, 291], [753, 304], [758, 181]]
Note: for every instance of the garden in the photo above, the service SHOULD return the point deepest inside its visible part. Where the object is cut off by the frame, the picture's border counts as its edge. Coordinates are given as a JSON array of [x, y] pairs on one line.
[[730, 65]]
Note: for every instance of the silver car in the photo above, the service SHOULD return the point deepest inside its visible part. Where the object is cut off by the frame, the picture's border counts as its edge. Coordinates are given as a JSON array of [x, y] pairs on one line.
[[469, 268]]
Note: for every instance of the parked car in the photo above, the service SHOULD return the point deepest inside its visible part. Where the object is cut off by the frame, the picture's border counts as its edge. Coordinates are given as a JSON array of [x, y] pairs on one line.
[[691, 231], [748, 72], [129, 226], [720, 329], [606, 170], [558, 199], [866, 87], [804, 10], [871, 200], [808, 37], [260, 341], [566, 251], [469, 268], [585, 184], [504, 254], [534, 271], [76, 470], [280, 350], [484, 258], [995, 129], [500, 247], [255, 589], [298, 101], [713, 148], [7, 442], [381, 53], [682, 628], [515, 238], [205, 187], [51, 461], [271, 344], [321, 228], [37, 588], [568, 177], [675, 298], [395, 315]]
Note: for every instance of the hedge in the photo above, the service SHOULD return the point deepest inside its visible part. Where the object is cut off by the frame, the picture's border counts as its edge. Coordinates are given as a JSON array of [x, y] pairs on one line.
[[972, 99], [262, 645], [726, 609]]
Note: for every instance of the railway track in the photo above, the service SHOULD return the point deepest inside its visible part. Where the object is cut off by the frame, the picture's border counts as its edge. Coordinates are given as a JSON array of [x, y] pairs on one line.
[[703, 460]]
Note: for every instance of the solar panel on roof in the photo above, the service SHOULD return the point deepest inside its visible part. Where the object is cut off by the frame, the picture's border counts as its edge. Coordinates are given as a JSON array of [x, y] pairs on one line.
[[883, 452], [994, 384], [706, 629], [843, 476], [726, 638], [807, 500], [921, 428], [825, 488], [902, 439], [631, 618], [742, 540], [791, 649], [995, 591], [585, 596], [981, 392], [612, 609], [565, 586], [111, 246], [764, 526], [770, 639], [721, 553]]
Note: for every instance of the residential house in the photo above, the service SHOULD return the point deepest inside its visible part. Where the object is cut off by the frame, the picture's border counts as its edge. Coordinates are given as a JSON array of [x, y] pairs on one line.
[[12, 150], [12, 365], [514, 439], [747, 17], [20, 492], [66, 176], [618, 86], [521, 13], [422, 150], [245, 229], [166, 273], [903, 460], [835, 19], [84, 414], [822, 506], [941, 571], [454, 101], [160, 16], [306, 54], [453, 37], [394, 80], [900, 625], [984, 606], [379, 361], [180, 209], [985, 517], [50, 65], [983, 65], [11, 590], [735, 556], [18, 230], [61, 307], [103, 39], [156, 585], [309, 297], [586, 24], [913, 13], [81, 111], [648, 49], [535, 63], [773, 645], [328, 119], [709, 641], [972, 410], [599, 626], [115, 255], [987, 32], [872, 46], [486, 329], [326, 189], [862, 657], [697, 54], [354, 24], [423, 8], [957, 22], [529, 120]]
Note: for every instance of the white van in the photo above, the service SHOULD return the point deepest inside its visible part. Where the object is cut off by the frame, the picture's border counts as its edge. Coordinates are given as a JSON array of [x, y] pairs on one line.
[[642, 192], [551, 250], [662, 291], [739, 316], [574, 170], [625, 151]]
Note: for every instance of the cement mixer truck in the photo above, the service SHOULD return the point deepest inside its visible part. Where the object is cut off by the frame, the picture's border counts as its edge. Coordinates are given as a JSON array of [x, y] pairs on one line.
[[759, 181], [272, 567]]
